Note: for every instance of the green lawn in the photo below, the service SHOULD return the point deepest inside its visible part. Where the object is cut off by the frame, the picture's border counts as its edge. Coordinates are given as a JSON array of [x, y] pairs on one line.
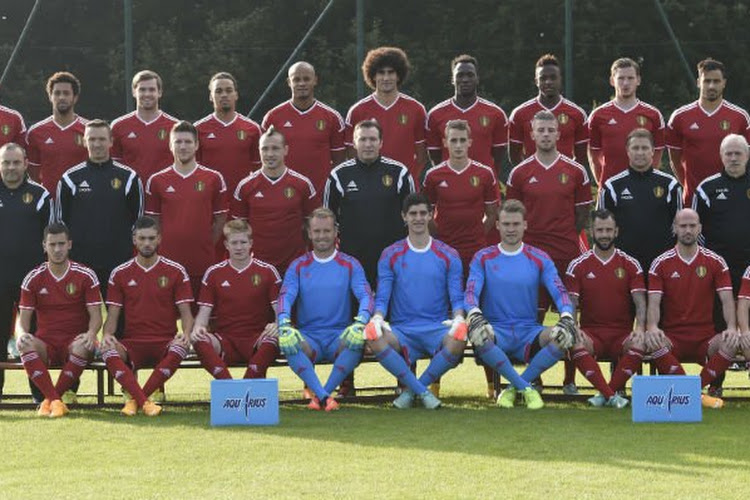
[[469, 449]]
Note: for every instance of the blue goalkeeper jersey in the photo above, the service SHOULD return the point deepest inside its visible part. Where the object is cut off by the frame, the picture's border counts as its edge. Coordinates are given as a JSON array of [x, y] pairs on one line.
[[422, 286], [505, 286], [321, 292]]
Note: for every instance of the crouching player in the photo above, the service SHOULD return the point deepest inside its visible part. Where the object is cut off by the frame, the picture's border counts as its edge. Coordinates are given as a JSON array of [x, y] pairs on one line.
[[241, 292], [318, 288], [501, 297], [66, 298], [419, 281], [146, 289], [681, 287], [605, 283], [743, 316]]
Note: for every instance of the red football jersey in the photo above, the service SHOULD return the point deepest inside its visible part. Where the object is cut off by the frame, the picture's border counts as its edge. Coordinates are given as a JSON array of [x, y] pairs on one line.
[[488, 122], [186, 205], [403, 124], [460, 199], [609, 126], [688, 288], [312, 135], [242, 299], [275, 209], [60, 303], [699, 134], [571, 122], [604, 289], [143, 146], [229, 148], [55, 149], [12, 126], [745, 285], [149, 296], [550, 195]]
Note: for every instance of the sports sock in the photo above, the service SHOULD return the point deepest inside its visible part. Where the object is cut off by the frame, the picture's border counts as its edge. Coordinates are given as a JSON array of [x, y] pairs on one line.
[[210, 360], [346, 361], [304, 368], [71, 371], [264, 356], [570, 372], [666, 362], [165, 369], [397, 366], [543, 360], [124, 375], [441, 362], [717, 364], [588, 366], [496, 359], [627, 366], [39, 374]]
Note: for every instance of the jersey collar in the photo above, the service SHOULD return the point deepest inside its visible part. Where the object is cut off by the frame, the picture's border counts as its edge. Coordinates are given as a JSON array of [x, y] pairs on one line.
[[324, 260]]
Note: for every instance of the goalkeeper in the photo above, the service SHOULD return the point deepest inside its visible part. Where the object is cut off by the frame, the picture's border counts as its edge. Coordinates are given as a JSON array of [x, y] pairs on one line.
[[502, 295], [318, 289]]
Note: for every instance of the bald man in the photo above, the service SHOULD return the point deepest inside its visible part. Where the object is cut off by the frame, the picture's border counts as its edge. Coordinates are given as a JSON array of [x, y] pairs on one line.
[[314, 131], [679, 319]]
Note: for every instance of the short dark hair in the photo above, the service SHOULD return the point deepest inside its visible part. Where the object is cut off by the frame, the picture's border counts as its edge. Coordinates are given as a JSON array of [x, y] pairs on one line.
[[144, 76], [709, 64], [146, 222], [184, 126], [56, 228], [458, 125], [547, 60], [512, 206], [602, 214], [413, 199], [99, 123], [624, 62], [222, 75], [385, 57], [465, 58], [640, 133], [64, 77], [372, 123]]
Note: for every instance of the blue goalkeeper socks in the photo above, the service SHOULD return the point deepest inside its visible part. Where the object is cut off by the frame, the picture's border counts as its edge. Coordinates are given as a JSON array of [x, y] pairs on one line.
[[305, 370], [495, 358], [440, 363], [542, 361], [345, 362], [397, 366]]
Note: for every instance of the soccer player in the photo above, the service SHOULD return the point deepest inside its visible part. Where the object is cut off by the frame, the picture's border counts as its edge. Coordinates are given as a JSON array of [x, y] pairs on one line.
[[313, 130], [681, 287], [12, 126], [240, 294], [644, 201], [56, 143], [695, 131], [419, 285], [366, 194], [502, 295], [402, 119], [99, 200], [275, 201], [65, 298], [25, 210], [487, 120], [150, 290], [570, 117], [607, 287], [463, 193], [743, 316], [610, 123], [318, 290], [228, 139], [189, 202], [141, 138]]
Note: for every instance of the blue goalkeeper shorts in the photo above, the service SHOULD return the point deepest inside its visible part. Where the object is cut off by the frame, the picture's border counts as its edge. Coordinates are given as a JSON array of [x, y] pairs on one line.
[[517, 341], [420, 341], [324, 344]]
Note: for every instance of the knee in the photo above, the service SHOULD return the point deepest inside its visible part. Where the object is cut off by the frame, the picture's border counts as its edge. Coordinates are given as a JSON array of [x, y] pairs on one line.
[[25, 343]]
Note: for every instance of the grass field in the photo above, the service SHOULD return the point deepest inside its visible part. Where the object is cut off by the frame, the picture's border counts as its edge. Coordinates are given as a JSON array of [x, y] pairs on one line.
[[468, 449]]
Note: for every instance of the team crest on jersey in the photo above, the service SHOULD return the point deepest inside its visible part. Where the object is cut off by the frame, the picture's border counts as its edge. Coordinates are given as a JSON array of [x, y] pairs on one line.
[[241, 135], [658, 191], [27, 198], [474, 180], [78, 138], [564, 178], [70, 288], [403, 119], [162, 134], [724, 124], [115, 183], [162, 281], [620, 273], [320, 125], [387, 180], [641, 120], [563, 118], [255, 279], [200, 186], [484, 121], [701, 271], [5, 129], [289, 192]]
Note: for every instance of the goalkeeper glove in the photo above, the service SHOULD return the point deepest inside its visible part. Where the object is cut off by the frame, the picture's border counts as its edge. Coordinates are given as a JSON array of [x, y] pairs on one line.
[[374, 329], [459, 329], [480, 330], [354, 335], [565, 331], [289, 338]]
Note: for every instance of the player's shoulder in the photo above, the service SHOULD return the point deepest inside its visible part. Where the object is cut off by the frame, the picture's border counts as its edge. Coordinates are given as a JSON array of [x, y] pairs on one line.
[[121, 120], [488, 252], [580, 261], [396, 248], [407, 100], [481, 167], [244, 121], [75, 170], [525, 164], [121, 166], [735, 108], [441, 106], [303, 260], [601, 109], [643, 105], [329, 110], [618, 178], [572, 106], [665, 257], [345, 257], [125, 266], [343, 167], [40, 125], [684, 109], [622, 254], [166, 171], [535, 252], [11, 111], [711, 255], [299, 178], [436, 171], [665, 176], [524, 108], [209, 172], [395, 164], [368, 100], [166, 117], [204, 121], [266, 267], [442, 247], [491, 106], [81, 269], [34, 186], [708, 181], [571, 163], [216, 268], [33, 274], [171, 264]]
